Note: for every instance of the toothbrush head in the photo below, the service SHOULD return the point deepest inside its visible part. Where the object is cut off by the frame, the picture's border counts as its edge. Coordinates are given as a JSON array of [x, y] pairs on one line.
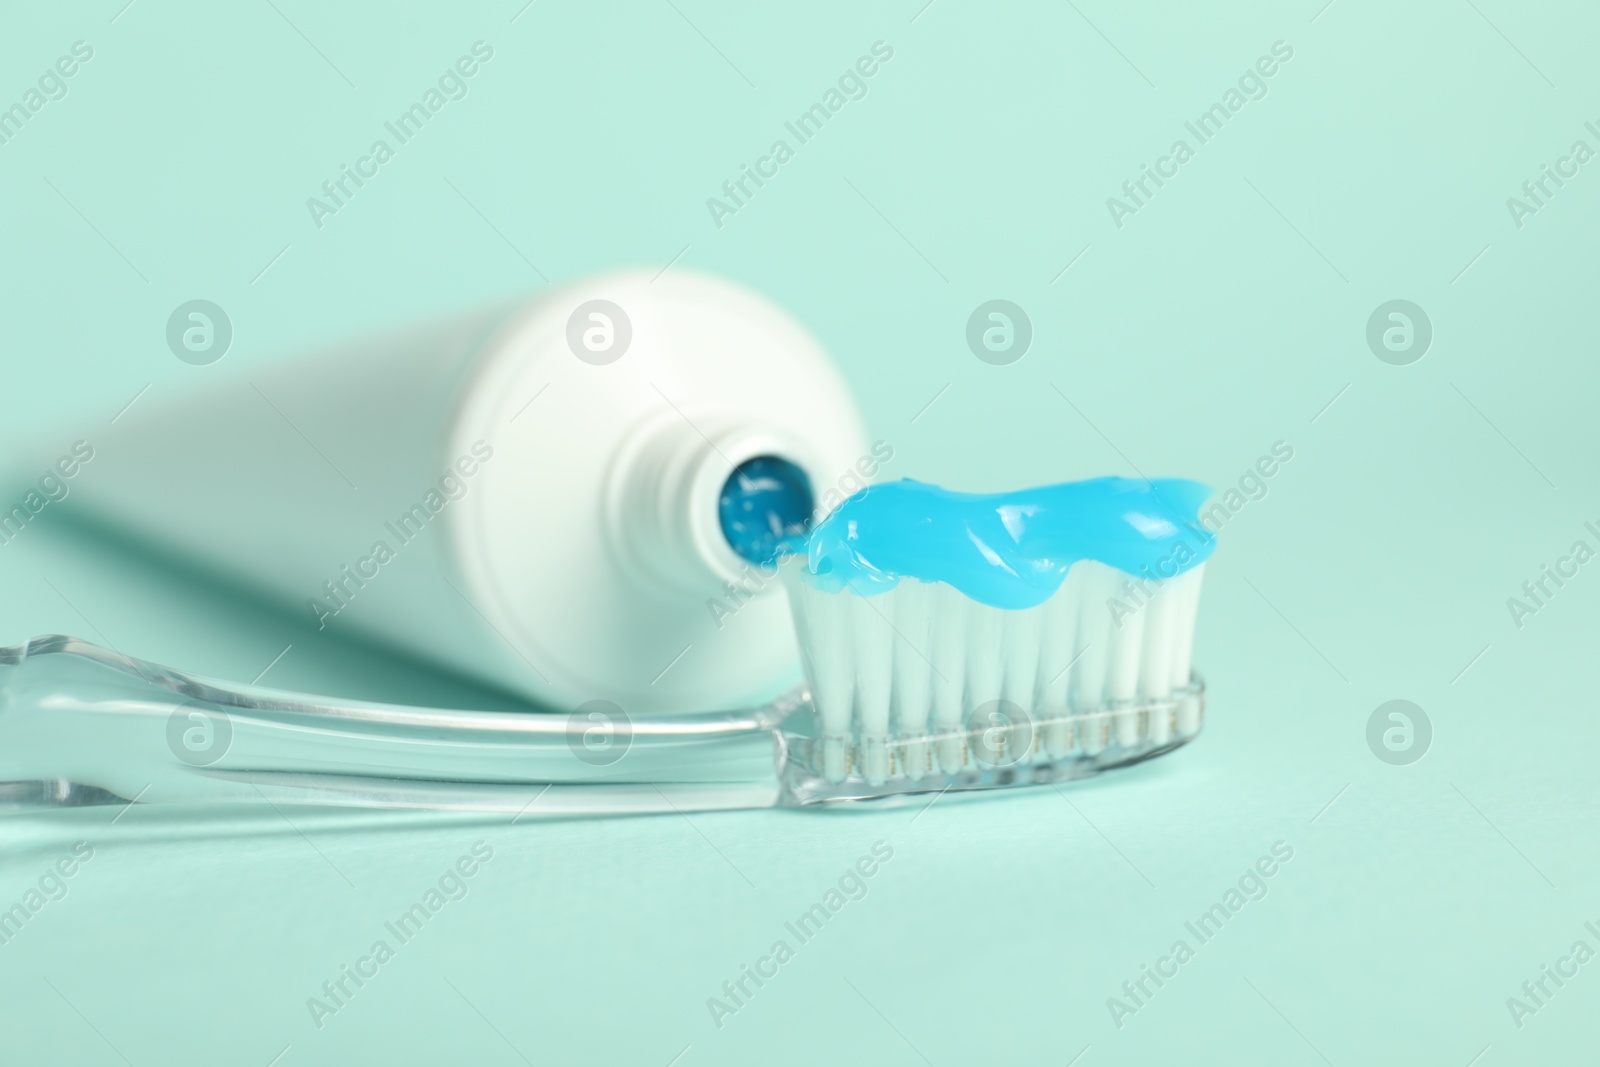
[[969, 642]]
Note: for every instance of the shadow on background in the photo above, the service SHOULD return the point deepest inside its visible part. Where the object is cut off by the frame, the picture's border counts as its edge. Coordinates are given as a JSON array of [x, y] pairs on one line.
[[168, 608]]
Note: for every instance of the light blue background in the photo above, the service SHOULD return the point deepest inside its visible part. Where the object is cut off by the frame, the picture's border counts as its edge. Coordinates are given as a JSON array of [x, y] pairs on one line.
[[1223, 317]]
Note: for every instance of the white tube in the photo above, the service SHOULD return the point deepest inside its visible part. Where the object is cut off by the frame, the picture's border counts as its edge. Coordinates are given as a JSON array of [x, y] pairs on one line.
[[528, 494]]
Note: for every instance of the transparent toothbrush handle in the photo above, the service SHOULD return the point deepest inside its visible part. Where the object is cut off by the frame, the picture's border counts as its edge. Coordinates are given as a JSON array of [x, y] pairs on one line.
[[80, 724], [83, 725]]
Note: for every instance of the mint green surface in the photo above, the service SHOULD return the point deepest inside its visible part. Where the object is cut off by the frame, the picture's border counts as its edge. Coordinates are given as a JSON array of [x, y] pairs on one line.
[[1226, 314]]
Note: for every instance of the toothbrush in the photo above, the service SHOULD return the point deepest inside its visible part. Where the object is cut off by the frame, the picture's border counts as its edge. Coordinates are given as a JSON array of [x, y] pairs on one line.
[[989, 692], [950, 641], [970, 641]]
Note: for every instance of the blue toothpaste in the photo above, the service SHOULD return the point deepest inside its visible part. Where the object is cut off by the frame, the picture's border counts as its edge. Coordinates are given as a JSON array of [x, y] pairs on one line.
[[1007, 550]]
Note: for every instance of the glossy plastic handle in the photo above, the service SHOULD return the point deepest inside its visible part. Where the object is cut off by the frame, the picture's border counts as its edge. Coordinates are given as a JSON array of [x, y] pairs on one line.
[[80, 724]]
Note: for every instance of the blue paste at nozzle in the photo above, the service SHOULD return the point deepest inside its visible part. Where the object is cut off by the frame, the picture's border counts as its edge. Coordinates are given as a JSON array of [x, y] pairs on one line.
[[765, 508], [1008, 550]]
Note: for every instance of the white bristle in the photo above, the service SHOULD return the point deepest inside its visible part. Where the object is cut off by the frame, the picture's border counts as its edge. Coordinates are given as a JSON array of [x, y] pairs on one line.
[[1059, 648], [822, 624], [1087, 695], [1122, 678], [912, 697], [1021, 634], [985, 630], [947, 656], [1188, 713], [874, 673], [1155, 664], [1187, 592], [897, 677]]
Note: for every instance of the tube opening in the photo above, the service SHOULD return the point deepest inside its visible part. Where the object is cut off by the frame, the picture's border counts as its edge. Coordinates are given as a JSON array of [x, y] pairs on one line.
[[765, 508]]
